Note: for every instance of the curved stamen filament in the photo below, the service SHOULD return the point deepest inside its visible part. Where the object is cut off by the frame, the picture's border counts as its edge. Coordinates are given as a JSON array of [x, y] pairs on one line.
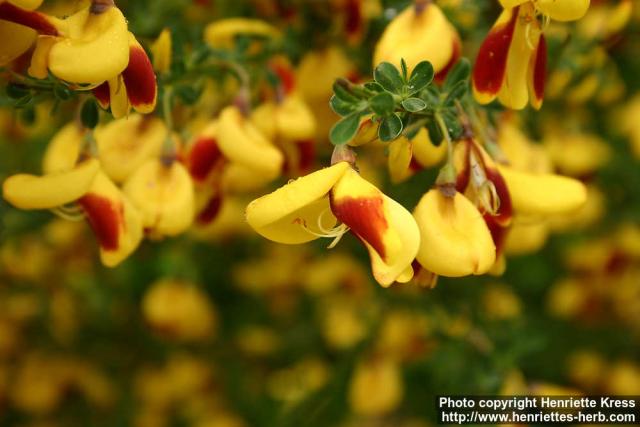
[[72, 212], [335, 233]]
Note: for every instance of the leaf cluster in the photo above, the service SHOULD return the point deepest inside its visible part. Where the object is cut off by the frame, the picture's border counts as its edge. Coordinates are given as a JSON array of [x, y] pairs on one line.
[[401, 103]]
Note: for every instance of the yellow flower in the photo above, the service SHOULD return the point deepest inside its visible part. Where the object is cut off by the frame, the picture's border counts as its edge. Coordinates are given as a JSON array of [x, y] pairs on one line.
[[309, 207], [221, 34], [511, 63], [454, 238], [163, 194], [179, 310], [91, 49], [241, 142], [376, 387], [420, 32]]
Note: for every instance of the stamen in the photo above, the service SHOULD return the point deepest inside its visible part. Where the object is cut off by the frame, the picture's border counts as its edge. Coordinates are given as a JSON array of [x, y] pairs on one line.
[[335, 233], [72, 212]]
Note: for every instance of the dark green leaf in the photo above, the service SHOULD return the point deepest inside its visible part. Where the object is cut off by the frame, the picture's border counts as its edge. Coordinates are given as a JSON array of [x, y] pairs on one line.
[[403, 67], [435, 133], [188, 94], [454, 127], [421, 76], [373, 87], [24, 101], [61, 92], [389, 77], [341, 107], [15, 91], [342, 89], [390, 128], [382, 104], [89, 114], [344, 130], [461, 71], [457, 92], [414, 104]]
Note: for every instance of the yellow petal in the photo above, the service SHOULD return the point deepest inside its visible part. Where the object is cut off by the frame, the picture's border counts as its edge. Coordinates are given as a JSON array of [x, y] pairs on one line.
[[242, 143], [238, 178], [563, 10], [221, 33], [39, 67], [454, 239], [161, 50], [526, 236], [425, 153], [514, 92], [399, 159], [417, 37], [367, 132], [116, 223], [288, 213], [294, 119], [63, 150], [125, 144], [52, 190], [98, 53], [542, 194], [16, 40], [386, 228], [164, 196], [118, 98]]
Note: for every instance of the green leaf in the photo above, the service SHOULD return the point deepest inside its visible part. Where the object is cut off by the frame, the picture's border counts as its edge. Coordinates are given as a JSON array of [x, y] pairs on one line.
[[344, 130], [15, 91], [403, 66], [421, 76], [390, 128], [342, 89], [341, 107], [435, 133], [457, 92], [414, 104], [388, 76], [89, 114], [61, 92], [454, 127], [461, 71], [382, 104], [373, 87], [24, 101], [188, 94]]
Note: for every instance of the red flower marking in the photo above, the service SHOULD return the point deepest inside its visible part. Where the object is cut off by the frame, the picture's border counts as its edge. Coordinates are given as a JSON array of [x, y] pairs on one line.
[[139, 78], [307, 150], [353, 18], [365, 218], [211, 210], [540, 68], [491, 63], [35, 20], [286, 76], [105, 217], [414, 165], [455, 55], [203, 157], [462, 179], [498, 232], [505, 210], [102, 95]]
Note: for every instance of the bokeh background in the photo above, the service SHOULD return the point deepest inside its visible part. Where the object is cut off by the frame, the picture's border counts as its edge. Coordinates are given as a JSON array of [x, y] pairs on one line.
[[221, 328]]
